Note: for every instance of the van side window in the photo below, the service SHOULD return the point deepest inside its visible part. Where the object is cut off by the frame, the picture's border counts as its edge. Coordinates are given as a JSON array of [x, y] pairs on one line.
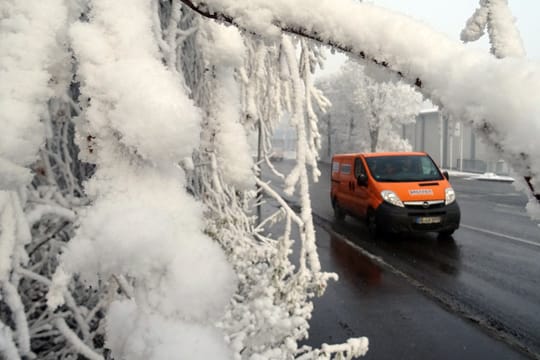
[[359, 167], [335, 167], [345, 169]]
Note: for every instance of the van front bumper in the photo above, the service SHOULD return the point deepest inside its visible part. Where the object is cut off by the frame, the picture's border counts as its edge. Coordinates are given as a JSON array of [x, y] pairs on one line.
[[396, 219]]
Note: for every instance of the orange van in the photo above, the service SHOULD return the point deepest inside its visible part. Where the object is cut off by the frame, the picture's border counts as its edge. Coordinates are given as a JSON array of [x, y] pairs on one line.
[[394, 191]]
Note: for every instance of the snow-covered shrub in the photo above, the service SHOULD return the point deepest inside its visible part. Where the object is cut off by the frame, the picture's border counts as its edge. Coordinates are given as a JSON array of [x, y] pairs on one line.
[[113, 258], [269, 313]]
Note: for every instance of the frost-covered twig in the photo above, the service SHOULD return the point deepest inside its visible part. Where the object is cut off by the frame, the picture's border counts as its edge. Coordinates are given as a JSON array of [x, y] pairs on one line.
[[353, 348], [13, 301], [70, 301], [303, 151], [8, 349], [39, 211], [267, 189], [75, 341]]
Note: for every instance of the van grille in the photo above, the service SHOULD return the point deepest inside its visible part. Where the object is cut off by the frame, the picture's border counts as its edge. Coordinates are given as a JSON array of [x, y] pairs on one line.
[[426, 213], [423, 205]]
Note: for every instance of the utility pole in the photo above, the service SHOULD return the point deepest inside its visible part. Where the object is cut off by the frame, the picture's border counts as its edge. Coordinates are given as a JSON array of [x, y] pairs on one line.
[[258, 199], [329, 135], [441, 138], [462, 130]]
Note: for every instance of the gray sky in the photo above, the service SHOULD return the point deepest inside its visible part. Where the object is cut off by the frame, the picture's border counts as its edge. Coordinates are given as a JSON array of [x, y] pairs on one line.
[[450, 16]]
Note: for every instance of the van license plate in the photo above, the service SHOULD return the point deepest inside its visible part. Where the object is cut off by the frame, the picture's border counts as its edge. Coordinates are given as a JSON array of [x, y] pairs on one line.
[[428, 220]]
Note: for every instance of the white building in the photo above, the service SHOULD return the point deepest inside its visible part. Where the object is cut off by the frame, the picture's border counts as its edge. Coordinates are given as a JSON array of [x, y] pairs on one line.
[[453, 145]]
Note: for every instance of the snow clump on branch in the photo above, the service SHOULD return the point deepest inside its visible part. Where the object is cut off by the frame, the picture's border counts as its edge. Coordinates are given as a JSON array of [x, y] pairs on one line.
[[24, 89], [142, 224]]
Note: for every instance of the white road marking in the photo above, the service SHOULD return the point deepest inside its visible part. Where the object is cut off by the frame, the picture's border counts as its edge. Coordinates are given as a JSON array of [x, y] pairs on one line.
[[510, 209], [514, 238]]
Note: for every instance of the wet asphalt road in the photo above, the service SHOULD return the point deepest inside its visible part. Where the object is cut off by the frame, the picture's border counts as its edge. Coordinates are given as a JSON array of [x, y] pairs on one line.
[[475, 296]]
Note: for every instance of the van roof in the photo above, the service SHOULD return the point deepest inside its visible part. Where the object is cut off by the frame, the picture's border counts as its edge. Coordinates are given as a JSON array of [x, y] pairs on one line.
[[376, 154]]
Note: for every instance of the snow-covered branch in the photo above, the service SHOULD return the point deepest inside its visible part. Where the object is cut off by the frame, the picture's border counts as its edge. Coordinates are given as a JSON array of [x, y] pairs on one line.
[[39, 211], [25, 90], [496, 17], [14, 302], [278, 25], [267, 189], [7, 345]]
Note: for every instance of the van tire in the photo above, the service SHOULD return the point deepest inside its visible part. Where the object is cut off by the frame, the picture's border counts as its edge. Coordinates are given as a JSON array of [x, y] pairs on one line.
[[371, 222], [446, 234], [339, 213]]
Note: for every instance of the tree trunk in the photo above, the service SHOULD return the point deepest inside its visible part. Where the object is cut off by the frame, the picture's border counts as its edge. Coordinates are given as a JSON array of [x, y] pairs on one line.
[[374, 136], [329, 135]]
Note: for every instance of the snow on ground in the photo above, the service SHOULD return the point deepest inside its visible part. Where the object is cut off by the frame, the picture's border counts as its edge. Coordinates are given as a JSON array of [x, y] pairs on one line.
[[488, 176]]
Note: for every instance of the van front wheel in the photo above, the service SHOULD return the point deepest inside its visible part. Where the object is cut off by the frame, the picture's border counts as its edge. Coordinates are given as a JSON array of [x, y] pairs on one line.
[[446, 234], [371, 221], [339, 214]]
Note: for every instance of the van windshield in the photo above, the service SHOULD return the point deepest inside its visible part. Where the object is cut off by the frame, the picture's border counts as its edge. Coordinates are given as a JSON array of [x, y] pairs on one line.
[[403, 168]]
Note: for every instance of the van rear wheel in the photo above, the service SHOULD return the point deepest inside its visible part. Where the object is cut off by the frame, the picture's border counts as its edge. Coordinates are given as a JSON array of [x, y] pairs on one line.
[[339, 214]]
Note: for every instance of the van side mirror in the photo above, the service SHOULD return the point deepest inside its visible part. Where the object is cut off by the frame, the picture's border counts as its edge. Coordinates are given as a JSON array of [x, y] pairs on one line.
[[361, 180], [446, 175]]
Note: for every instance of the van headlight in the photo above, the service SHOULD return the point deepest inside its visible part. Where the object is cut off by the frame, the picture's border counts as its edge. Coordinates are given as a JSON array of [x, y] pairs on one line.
[[391, 197], [449, 196]]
